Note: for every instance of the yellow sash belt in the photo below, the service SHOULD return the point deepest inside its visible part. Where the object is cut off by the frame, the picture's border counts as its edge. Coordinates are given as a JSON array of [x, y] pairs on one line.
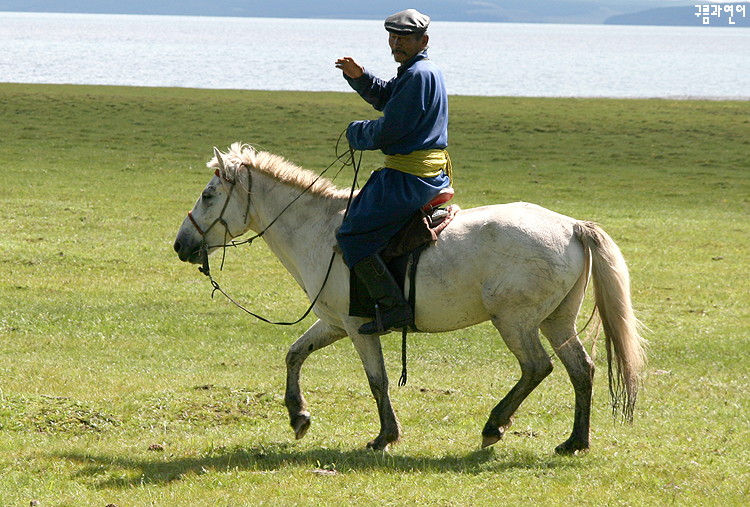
[[424, 163]]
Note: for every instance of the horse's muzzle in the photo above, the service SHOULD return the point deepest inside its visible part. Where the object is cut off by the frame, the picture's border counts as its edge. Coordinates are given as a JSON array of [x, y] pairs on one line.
[[188, 253]]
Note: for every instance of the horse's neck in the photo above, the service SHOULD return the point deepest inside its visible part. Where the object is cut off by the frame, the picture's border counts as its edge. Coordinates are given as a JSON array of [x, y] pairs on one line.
[[301, 236]]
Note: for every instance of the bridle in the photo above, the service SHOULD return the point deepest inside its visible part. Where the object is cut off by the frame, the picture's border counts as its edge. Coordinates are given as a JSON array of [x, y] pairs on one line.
[[220, 218], [204, 247]]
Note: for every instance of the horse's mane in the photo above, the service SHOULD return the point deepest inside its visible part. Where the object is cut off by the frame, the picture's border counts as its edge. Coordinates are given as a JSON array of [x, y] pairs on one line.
[[279, 168]]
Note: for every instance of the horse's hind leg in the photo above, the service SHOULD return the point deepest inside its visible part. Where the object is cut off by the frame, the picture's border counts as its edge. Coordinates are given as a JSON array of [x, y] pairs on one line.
[[318, 336], [560, 330], [535, 366]]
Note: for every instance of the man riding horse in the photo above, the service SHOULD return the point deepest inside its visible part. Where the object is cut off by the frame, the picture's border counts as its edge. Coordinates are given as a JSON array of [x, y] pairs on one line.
[[522, 267], [413, 135]]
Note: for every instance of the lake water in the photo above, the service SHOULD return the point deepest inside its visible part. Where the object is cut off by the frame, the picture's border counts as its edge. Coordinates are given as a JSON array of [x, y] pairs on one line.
[[297, 54]]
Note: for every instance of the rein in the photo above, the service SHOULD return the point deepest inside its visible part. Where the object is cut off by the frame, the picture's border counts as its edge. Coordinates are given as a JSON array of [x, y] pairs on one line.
[[205, 268]]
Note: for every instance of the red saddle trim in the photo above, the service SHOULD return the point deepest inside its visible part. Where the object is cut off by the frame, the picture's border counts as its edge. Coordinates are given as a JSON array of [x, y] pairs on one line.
[[444, 196]]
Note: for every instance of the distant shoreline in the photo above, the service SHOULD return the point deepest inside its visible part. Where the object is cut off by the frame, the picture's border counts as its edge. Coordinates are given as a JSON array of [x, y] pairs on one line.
[[681, 15], [236, 90]]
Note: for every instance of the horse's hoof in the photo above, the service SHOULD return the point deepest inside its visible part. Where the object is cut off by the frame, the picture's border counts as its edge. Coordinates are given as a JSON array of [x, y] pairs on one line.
[[374, 446], [377, 447], [572, 448], [379, 444], [300, 424], [491, 436], [489, 440]]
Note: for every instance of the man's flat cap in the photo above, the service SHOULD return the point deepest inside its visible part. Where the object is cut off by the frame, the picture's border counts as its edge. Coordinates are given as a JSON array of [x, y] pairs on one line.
[[406, 22]]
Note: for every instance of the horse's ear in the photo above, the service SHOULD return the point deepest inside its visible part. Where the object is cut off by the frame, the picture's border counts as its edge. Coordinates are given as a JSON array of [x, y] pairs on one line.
[[219, 160]]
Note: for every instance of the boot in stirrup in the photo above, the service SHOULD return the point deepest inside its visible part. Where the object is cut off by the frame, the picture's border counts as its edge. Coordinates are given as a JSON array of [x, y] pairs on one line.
[[391, 309]]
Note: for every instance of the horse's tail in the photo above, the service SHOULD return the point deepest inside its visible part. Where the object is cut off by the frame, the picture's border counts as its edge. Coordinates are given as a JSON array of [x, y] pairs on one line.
[[625, 347]]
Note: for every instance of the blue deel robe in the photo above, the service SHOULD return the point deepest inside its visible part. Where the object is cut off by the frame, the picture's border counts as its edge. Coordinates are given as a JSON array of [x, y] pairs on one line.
[[415, 117]]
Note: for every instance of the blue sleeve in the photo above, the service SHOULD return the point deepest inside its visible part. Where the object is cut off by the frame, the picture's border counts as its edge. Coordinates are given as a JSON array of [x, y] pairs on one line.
[[401, 115], [374, 90]]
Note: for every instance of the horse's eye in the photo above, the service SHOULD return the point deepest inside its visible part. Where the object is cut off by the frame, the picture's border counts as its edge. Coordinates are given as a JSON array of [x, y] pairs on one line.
[[209, 192]]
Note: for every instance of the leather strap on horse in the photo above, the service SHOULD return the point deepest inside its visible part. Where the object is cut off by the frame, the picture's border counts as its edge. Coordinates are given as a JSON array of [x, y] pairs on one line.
[[411, 298], [206, 270], [402, 379]]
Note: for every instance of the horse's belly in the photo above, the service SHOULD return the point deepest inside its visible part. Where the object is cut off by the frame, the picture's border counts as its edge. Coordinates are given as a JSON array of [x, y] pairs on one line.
[[449, 295], [450, 313]]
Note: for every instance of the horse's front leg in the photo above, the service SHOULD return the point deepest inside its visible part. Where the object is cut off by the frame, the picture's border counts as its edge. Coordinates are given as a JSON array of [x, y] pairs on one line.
[[318, 336], [371, 353]]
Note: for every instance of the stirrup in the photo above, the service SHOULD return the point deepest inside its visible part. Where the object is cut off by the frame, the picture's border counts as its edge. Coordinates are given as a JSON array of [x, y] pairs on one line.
[[378, 326]]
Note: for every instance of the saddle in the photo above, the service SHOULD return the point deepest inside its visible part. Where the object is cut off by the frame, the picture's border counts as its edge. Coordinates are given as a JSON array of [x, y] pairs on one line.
[[403, 250]]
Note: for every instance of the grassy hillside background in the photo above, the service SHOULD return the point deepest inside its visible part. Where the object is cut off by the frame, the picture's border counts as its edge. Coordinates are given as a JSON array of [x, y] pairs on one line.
[[122, 381]]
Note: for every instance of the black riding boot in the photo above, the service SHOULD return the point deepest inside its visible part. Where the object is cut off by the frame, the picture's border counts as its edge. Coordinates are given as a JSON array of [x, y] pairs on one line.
[[391, 309]]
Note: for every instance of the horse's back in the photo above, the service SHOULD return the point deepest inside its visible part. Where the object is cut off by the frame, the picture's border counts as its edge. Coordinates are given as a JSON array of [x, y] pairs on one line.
[[514, 230], [516, 257]]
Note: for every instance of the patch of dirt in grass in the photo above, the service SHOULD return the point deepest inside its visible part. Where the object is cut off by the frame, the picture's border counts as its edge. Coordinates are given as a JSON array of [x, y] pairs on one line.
[[50, 414], [199, 406], [207, 405]]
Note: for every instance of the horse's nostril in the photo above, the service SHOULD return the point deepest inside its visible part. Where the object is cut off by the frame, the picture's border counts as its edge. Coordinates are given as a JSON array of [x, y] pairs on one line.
[[177, 246]]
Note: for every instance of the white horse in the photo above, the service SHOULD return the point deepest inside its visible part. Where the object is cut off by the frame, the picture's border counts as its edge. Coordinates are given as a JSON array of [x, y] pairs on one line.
[[519, 265]]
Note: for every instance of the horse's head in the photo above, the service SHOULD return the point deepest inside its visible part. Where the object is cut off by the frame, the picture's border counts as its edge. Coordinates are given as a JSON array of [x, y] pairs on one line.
[[221, 212]]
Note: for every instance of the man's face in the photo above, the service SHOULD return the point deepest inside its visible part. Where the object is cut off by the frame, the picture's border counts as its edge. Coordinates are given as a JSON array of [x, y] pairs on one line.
[[404, 47]]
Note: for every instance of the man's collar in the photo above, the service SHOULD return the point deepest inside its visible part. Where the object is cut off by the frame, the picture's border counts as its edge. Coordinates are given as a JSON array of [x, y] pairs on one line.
[[422, 55]]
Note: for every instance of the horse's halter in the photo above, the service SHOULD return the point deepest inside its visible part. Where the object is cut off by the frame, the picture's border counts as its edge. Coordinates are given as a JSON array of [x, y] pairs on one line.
[[220, 218]]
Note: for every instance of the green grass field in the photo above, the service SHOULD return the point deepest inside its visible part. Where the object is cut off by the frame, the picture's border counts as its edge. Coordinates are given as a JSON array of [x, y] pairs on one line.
[[123, 382]]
